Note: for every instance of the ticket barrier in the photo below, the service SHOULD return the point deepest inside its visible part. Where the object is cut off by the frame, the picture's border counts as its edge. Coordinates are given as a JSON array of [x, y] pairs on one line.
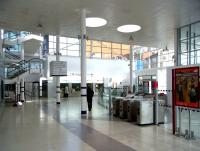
[[145, 111], [123, 109], [132, 111], [161, 111], [116, 105]]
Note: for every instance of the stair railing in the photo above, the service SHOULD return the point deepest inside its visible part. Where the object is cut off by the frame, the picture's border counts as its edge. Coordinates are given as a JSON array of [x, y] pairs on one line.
[[23, 66], [11, 55]]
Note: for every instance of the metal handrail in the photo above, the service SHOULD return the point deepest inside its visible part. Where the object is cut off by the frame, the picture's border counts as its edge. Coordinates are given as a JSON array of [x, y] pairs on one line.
[[23, 66], [13, 56]]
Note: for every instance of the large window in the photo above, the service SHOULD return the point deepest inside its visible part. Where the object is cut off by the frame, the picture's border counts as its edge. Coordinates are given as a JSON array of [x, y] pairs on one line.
[[52, 44], [68, 46], [94, 48], [106, 50], [189, 44], [147, 57]]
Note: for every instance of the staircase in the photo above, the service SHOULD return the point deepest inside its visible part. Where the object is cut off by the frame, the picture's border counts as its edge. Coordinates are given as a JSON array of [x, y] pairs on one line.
[[10, 55], [23, 69], [14, 42]]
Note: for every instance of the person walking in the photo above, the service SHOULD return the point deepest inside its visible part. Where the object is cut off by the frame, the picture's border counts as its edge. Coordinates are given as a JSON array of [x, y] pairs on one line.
[[90, 94]]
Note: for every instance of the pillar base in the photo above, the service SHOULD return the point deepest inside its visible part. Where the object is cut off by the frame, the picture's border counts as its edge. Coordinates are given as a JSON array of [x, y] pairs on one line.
[[57, 102], [83, 112], [17, 104]]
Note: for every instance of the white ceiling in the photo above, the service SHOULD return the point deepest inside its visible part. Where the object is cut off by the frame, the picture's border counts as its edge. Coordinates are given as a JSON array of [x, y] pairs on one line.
[[158, 18]]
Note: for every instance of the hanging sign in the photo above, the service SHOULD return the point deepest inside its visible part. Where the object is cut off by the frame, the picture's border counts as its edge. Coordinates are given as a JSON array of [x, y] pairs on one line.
[[58, 68]]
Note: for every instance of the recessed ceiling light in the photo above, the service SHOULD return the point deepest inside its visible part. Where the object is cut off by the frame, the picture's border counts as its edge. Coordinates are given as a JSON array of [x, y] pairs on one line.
[[95, 22], [128, 28]]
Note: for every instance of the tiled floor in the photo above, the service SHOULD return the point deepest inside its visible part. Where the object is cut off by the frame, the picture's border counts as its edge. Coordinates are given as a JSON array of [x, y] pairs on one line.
[[44, 126]]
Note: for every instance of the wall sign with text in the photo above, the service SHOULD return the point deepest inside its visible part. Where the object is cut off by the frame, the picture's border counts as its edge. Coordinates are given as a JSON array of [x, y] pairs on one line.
[[58, 68]]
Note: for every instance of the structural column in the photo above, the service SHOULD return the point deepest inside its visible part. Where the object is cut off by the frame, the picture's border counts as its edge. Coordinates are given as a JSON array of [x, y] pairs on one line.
[[177, 57], [83, 63], [22, 88], [58, 77], [1, 40], [40, 88], [1, 64], [94, 87], [17, 94], [131, 69], [40, 50]]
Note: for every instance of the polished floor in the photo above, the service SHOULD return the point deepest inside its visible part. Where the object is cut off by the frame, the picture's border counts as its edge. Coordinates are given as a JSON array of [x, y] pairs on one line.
[[41, 125]]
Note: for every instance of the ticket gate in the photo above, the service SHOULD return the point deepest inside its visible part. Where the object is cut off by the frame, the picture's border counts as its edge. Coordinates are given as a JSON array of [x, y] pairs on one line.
[[123, 109], [145, 111], [116, 105], [131, 111], [161, 111]]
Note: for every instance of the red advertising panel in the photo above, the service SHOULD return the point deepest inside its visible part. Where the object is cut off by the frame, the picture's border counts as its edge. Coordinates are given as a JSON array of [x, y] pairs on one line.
[[186, 87]]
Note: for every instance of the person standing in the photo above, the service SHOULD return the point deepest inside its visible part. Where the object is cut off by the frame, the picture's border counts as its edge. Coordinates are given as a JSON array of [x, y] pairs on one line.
[[90, 94]]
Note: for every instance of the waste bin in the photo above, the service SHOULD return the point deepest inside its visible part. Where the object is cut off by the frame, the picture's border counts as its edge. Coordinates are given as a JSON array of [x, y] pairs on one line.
[[123, 109], [116, 105]]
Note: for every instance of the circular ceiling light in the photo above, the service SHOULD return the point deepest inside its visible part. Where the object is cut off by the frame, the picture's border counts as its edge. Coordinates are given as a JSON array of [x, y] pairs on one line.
[[95, 22], [128, 28]]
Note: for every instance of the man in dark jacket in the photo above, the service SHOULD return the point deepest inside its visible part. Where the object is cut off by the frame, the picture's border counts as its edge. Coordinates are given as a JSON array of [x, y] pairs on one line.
[[90, 94]]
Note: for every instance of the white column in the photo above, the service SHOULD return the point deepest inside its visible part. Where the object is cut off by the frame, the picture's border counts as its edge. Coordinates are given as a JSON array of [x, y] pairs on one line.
[[1, 63], [18, 90], [22, 51], [149, 59], [94, 86], [1, 53], [40, 50], [22, 89], [58, 77], [159, 58], [1, 40], [131, 69], [41, 88], [177, 57], [83, 64]]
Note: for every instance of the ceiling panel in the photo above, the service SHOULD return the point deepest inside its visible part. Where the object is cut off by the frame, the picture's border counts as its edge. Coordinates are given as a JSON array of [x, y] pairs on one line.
[[158, 18]]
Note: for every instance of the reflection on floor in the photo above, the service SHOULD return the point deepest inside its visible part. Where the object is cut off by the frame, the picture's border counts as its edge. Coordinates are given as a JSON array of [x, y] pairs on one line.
[[44, 126]]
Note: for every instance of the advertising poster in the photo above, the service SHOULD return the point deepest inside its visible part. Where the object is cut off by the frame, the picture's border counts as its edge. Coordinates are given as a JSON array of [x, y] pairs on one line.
[[186, 87]]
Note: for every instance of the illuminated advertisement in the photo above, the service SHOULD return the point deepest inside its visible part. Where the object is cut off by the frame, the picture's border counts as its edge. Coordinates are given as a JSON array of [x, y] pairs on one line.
[[186, 87]]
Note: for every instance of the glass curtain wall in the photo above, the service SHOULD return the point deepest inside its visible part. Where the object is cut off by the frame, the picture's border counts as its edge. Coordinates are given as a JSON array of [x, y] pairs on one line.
[[13, 35], [189, 44], [188, 38], [147, 57], [94, 48]]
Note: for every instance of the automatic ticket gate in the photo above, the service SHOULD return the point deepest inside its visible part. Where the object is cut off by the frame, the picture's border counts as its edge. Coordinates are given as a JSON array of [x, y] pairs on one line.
[[116, 105], [145, 111], [123, 109], [161, 111], [131, 111]]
